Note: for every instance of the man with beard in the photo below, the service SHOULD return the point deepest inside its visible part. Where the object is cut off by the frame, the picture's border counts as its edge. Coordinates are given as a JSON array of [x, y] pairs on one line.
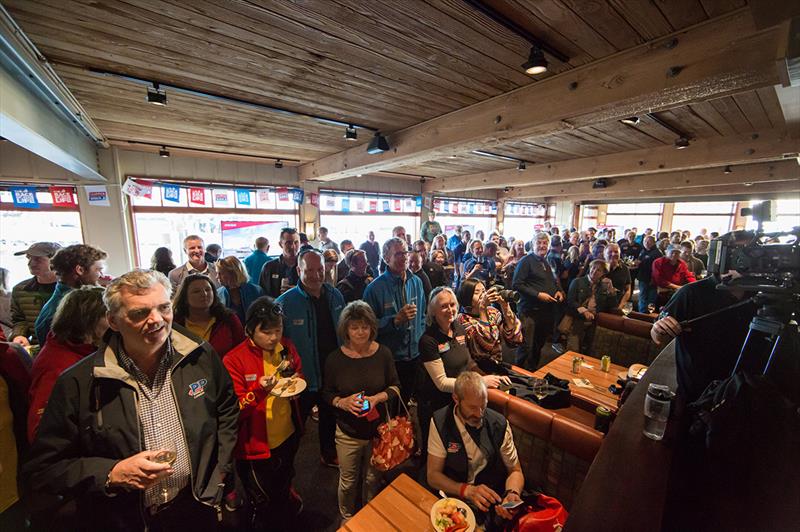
[[141, 433], [195, 249]]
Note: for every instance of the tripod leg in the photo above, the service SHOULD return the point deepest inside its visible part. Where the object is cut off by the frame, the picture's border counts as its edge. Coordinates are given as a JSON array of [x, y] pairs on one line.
[[775, 343], [741, 353]]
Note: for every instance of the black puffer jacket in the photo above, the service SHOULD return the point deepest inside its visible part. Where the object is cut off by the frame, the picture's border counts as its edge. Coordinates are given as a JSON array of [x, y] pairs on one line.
[[91, 423]]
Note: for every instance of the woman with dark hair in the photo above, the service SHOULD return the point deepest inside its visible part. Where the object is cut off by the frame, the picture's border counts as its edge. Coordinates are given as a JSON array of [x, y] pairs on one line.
[[485, 325], [269, 425], [358, 376], [198, 308], [237, 292], [162, 261], [78, 327]]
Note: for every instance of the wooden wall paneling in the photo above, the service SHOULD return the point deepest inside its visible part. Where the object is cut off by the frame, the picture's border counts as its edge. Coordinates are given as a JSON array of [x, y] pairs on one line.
[[166, 42], [772, 106], [605, 20], [715, 8], [713, 117], [730, 111], [683, 13], [644, 17], [750, 104]]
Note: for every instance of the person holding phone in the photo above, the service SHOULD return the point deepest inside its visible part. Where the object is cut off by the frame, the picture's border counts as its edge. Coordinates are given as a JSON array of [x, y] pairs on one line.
[[358, 378]]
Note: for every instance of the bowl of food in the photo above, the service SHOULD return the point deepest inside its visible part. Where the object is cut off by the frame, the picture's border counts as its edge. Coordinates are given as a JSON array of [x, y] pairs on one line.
[[452, 515]]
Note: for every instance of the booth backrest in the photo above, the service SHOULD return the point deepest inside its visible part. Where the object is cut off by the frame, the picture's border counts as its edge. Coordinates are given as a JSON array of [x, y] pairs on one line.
[[555, 452], [626, 340]]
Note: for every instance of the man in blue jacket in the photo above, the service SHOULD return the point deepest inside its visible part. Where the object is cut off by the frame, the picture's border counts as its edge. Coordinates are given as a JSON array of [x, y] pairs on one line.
[[310, 315], [255, 261], [398, 300]]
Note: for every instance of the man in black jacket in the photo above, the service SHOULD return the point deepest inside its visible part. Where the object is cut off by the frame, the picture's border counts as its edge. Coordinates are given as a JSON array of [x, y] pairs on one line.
[[141, 433], [280, 274], [539, 297]]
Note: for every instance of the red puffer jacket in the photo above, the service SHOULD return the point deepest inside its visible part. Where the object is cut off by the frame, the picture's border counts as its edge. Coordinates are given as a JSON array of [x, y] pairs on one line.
[[245, 363]]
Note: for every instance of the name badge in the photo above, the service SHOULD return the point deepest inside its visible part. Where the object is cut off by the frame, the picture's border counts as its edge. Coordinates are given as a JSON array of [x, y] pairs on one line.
[[299, 321], [453, 447], [444, 348], [250, 377], [388, 305], [275, 275]]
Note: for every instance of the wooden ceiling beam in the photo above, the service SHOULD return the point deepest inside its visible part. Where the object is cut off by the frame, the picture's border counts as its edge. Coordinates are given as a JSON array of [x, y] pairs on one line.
[[719, 192], [684, 179], [718, 151], [723, 56]]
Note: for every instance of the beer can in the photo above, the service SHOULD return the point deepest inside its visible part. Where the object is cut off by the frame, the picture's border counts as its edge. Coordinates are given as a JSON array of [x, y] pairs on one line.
[[576, 364], [605, 363], [602, 419]]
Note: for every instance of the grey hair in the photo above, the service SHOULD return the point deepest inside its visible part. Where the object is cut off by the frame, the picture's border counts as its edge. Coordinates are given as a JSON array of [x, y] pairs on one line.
[[193, 237], [435, 293], [136, 281], [387, 246], [469, 381], [541, 235]]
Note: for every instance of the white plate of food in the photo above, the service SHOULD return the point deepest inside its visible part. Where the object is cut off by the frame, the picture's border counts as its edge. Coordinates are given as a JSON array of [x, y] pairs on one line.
[[452, 515], [288, 387]]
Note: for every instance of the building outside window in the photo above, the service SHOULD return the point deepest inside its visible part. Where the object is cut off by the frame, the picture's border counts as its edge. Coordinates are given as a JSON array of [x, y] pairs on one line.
[[710, 215]]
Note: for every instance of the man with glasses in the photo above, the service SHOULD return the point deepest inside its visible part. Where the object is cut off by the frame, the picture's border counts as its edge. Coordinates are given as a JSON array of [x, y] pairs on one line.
[[280, 274], [398, 300], [142, 432], [311, 313]]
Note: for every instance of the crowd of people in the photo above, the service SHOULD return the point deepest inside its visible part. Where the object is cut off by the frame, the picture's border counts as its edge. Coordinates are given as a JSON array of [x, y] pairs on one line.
[[150, 398]]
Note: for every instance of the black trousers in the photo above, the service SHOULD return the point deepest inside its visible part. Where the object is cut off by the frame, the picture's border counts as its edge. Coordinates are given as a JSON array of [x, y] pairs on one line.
[[537, 327], [327, 422], [182, 511], [266, 484], [408, 371]]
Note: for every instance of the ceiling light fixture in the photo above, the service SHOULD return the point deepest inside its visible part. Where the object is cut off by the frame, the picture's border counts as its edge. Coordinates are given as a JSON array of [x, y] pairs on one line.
[[163, 152], [681, 143], [278, 164], [631, 120], [378, 144], [727, 170], [350, 133], [521, 166], [156, 95], [536, 63]]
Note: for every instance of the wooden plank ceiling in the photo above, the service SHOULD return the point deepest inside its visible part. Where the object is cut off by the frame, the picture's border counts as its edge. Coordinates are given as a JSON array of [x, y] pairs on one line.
[[383, 64]]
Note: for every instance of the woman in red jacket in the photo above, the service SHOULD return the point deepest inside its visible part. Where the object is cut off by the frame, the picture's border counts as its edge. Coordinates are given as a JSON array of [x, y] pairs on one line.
[[269, 426], [198, 308], [78, 327]]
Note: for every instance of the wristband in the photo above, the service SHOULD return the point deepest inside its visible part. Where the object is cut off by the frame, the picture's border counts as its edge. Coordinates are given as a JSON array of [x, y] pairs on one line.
[[462, 490]]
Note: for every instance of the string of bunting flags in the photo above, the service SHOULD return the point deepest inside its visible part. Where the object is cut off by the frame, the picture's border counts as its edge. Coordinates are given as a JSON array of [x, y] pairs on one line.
[[367, 203], [455, 206], [26, 197], [223, 196]]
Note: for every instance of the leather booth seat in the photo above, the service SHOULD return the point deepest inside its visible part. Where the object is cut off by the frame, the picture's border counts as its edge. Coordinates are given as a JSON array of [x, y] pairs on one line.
[[625, 339]]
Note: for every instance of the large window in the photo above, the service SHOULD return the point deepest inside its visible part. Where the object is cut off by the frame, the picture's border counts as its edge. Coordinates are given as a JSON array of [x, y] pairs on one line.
[[230, 217], [710, 215], [19, 228], [639, 215], [589, 214], [787, 215], [472, 215], [351, 215], [522, 220]]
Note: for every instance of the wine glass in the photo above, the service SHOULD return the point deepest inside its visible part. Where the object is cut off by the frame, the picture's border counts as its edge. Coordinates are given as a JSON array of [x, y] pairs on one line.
[[651, 308], [166, 453], [540, 389], [627, 309]]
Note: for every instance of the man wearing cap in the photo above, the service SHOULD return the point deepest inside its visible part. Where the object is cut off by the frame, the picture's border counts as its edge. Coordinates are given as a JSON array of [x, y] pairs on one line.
[[670, 273], [29, 296], [75, 266]]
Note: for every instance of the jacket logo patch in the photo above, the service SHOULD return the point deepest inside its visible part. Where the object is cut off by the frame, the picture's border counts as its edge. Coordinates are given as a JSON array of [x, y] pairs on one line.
[[198, 388], [453, 447], [298, 321], [275, 275]]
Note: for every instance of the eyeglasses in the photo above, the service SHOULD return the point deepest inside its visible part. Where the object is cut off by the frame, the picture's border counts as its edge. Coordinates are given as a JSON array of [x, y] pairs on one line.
[[265, 311]]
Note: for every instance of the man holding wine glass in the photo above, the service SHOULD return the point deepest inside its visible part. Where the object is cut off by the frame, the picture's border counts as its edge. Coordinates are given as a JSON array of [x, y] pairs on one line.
[[141, 433]]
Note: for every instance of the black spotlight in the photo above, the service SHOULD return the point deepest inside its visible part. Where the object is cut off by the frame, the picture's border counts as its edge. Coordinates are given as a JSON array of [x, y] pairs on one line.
[[156, 95], [521, 166], [631, 120], [600, 183], [350, 133], [536, 63], [681, 143], [163, 152], [727, 170], [378, 144], [278, 164]]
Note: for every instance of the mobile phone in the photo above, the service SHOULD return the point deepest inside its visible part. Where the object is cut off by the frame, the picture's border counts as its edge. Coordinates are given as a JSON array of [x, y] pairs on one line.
[[510, 505], [365, 403]]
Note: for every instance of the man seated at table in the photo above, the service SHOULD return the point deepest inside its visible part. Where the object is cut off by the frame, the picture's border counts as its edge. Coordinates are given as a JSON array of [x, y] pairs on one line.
[[471, 452]]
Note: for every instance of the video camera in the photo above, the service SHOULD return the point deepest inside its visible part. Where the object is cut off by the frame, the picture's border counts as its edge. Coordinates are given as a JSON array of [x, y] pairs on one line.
[[767, 262]]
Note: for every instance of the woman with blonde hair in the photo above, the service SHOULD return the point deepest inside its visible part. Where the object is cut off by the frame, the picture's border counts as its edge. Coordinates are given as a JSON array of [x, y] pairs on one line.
[[331, 262], [237, 292]]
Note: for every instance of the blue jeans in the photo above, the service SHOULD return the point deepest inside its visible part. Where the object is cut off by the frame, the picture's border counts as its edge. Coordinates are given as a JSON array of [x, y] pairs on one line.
[[648, 293]]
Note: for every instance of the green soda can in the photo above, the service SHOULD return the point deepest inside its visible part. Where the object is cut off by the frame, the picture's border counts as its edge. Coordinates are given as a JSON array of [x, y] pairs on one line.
[[605, 363]]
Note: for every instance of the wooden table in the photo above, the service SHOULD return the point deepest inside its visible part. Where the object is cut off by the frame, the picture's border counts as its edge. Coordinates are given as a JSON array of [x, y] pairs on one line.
[[402, 505], [590, 398]]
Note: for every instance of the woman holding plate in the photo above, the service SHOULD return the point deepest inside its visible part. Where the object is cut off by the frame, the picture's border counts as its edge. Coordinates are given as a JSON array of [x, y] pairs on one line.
[[269, 416]]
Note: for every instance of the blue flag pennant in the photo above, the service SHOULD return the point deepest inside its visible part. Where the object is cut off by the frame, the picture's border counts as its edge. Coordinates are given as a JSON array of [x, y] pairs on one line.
[[25, 197], [171, 192], [242, 196]]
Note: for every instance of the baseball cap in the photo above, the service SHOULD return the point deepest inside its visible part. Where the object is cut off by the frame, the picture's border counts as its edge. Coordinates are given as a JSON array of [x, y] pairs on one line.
[[673, 247], [41, 249]]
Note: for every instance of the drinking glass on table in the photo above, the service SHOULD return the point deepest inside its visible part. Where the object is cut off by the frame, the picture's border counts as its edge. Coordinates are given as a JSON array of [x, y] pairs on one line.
[[540, 389], [166, 453]]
